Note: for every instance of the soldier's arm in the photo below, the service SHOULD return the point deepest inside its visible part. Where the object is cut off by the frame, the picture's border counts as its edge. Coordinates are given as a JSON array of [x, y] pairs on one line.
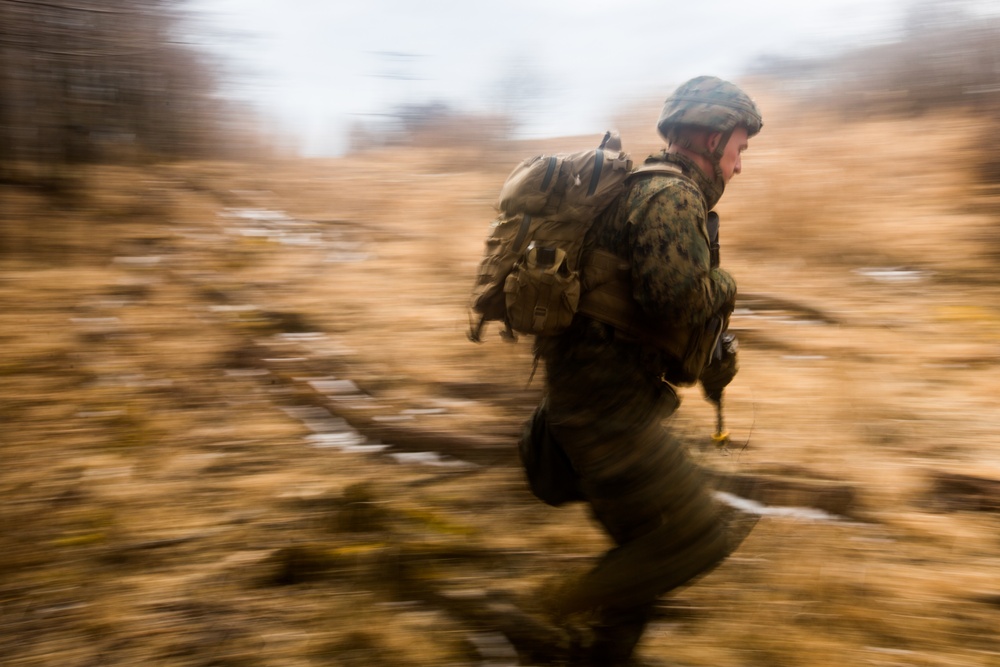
[[672, 276]]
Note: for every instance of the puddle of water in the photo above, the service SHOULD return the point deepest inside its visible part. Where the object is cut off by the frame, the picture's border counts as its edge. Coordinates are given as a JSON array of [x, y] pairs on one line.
[[305, 336], [424, 411], [333, 386], [332, 432], [279, 227], [753, 507], [318, 420], [253, 232], [346, 441], [297, 239], [892, 274], [356, 401], [261, 214], [430, 459]]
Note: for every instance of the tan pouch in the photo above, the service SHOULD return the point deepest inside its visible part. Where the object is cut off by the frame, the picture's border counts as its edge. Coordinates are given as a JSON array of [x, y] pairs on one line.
[[542, 293]]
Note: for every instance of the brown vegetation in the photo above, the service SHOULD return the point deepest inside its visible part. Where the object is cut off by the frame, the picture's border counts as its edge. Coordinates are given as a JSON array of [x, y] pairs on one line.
[[243, 426], [178, 488]]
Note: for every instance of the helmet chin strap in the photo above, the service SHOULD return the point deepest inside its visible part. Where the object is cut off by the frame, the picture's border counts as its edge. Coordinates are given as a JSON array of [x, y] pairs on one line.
[[715, 159], [715, 182]]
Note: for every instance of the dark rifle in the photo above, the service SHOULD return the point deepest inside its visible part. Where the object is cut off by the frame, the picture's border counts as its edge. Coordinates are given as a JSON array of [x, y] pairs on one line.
[[712, 222], [713, 238], [721, 436]]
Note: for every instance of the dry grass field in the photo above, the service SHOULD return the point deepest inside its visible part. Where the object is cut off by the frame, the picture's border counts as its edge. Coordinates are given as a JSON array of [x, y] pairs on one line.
[[243, 425]]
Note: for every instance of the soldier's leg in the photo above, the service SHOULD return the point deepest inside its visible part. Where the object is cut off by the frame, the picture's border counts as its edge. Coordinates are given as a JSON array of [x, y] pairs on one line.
[[625, 585], [654, 503], [635, 574], [642, 487], [617, 633]]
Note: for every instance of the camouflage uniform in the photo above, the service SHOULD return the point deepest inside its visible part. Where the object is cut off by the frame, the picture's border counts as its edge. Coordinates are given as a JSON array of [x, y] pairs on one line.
[[606, 399]]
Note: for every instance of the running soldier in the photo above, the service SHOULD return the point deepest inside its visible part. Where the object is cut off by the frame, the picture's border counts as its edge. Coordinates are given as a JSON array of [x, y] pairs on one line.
[[610, 377]]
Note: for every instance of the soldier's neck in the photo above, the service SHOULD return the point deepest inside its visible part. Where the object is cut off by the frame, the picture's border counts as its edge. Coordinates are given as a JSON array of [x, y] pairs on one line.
[[698, 159]]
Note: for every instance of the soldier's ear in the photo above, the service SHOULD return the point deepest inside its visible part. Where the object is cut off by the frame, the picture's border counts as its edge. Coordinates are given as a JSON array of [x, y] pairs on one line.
[[713, 141]]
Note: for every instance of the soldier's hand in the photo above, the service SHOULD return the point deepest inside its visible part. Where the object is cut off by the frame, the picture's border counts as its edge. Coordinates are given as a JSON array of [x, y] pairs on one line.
[[721, 369]]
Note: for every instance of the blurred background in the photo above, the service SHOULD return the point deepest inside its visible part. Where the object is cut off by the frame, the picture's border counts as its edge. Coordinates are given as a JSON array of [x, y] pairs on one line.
[[88, 78], [334, 73], [242, 424]]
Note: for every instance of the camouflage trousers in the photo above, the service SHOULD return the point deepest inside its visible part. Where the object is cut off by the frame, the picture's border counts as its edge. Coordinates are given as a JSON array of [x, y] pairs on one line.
[[643, 489]]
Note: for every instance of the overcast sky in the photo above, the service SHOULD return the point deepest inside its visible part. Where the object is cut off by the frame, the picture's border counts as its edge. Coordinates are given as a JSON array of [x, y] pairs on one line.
[[316, 66]]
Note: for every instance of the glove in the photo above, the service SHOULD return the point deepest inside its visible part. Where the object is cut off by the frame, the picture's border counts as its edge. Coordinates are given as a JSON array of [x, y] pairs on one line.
[[721, 369]]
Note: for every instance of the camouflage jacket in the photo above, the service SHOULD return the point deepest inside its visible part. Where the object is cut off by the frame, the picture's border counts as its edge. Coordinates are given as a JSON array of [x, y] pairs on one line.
[[658, 225]]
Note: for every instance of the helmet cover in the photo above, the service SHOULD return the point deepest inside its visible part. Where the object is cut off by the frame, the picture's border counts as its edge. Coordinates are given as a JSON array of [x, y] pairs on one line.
[[709, 102]]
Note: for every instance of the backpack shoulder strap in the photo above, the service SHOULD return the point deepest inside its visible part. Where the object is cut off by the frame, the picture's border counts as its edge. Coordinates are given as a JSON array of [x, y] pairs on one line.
[[657, 168]]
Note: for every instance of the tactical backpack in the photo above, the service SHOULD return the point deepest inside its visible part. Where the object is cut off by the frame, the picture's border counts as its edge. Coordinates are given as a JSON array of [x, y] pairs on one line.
[[529, 277]]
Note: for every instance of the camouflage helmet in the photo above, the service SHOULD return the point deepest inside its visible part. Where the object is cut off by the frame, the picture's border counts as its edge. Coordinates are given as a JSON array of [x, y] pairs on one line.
[[709, 102]]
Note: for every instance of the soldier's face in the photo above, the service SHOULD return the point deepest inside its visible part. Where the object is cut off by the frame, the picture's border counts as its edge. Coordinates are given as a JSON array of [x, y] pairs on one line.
[[732, 156]]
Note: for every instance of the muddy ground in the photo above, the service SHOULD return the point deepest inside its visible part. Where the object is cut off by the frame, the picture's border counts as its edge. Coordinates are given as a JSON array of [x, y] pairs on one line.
[[243, 426]]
